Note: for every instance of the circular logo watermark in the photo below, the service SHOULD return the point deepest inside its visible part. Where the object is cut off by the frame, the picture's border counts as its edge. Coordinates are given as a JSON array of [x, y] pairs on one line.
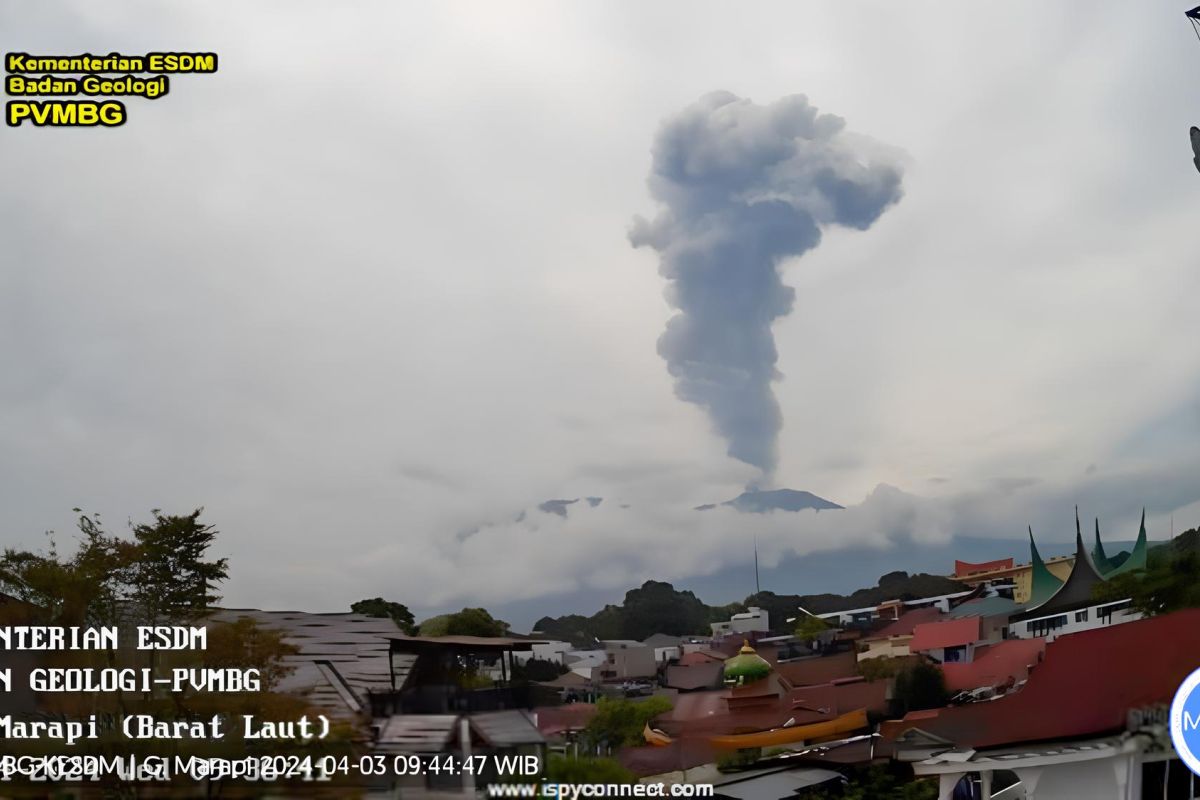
[[1185, 722]]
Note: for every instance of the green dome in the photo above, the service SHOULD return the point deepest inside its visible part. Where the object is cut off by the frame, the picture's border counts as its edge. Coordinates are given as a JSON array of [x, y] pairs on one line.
[[746, 667]]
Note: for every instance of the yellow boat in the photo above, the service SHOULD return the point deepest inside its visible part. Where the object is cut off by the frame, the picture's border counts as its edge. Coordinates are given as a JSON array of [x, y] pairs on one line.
[[846, 723]]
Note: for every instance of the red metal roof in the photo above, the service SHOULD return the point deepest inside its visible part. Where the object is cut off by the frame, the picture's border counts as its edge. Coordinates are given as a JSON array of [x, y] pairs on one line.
[[700, 657], [995, 664], [944, 633], [557, 720], [904, 626], [1084, 686], [819, 669], [963, 568]]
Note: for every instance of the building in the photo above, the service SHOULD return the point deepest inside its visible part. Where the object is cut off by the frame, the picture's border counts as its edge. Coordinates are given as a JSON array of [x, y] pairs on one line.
[[666, 647], [1057, 607], [999, 666], [555, 651], [750, 621], [626, 659], [892, 641], [1004, 571], [1088, 722], [340, 659], [891, 609]]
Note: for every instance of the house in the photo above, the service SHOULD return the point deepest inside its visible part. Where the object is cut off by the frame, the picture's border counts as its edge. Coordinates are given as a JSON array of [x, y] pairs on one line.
[[1003, 664], [626, 659], [691, 677], [341, 659], [1104, 687], [584, 662], [892, 641], [666, 647], [947, 641]]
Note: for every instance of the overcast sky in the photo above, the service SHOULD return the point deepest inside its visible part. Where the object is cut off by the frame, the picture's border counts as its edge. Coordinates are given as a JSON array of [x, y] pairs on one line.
[[368, 292]]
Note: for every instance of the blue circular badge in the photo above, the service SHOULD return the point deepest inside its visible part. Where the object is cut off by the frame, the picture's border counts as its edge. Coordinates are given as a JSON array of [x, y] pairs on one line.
[[1185, 722]]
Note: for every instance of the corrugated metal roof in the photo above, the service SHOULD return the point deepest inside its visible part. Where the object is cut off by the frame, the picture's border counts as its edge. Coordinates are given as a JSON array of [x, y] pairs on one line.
[[1085, 686], [904, 626], [462, 642], [985, 607], [506, 728], [946, 633], [995, 664], [338, 653], [416, 733]]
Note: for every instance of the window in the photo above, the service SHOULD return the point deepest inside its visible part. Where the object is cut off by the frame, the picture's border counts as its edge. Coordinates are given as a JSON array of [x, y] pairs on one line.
[[1081, 616], [955, 655], [1105, 612], [1042, 627]]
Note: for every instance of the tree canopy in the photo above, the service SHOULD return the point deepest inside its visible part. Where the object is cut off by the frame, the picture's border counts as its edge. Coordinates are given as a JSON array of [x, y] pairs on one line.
[[397, 612], [468, 622], [1170, 582], [619, 721], [919, 687]]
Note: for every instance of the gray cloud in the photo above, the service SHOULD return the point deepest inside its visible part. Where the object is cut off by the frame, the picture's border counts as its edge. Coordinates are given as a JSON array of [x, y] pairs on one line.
[[745, 187]]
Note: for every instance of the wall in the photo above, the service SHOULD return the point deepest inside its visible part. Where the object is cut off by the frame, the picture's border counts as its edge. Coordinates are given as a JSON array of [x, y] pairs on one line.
[[892, 647], [630, 662]]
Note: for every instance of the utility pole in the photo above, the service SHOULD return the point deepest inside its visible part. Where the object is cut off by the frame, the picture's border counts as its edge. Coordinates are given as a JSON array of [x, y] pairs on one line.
[[757, 587]]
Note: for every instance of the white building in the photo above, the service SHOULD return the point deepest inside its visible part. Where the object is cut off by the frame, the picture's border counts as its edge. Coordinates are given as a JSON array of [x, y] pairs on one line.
[[1058, 623], [753, 620], [546, 651]]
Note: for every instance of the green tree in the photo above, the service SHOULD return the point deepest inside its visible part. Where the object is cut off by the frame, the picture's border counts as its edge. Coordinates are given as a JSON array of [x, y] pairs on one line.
[[172, 579], [657, 607], [619, 722], [397, 612], [586, 769], [919, 687], [537, 669], [881, 783], [86, 588], [809, 627], [1170, 582], [880, 668], [468, 622]]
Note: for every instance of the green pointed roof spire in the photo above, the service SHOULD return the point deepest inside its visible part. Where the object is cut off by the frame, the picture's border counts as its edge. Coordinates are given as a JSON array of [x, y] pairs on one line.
[[1103, 565], [1042, 583], [1137, 559]]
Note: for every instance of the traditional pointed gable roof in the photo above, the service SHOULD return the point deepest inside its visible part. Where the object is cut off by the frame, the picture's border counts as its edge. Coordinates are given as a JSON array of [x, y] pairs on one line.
[[1076, 590], [1043, 583], [1137, 559], [1102, 563]]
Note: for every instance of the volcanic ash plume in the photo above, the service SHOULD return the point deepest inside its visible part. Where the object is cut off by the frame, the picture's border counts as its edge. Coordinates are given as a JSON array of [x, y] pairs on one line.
[[744, 187]]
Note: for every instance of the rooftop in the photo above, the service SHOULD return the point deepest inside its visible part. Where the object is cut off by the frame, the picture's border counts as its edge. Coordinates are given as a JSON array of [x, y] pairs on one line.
[[945, 633], [1085, 686]]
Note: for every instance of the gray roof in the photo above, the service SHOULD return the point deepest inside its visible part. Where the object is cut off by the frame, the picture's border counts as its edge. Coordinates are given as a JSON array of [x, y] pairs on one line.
[[985, 607], [506, 728], [416, 733], [662, 640], [342, 656], [433, 733]]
